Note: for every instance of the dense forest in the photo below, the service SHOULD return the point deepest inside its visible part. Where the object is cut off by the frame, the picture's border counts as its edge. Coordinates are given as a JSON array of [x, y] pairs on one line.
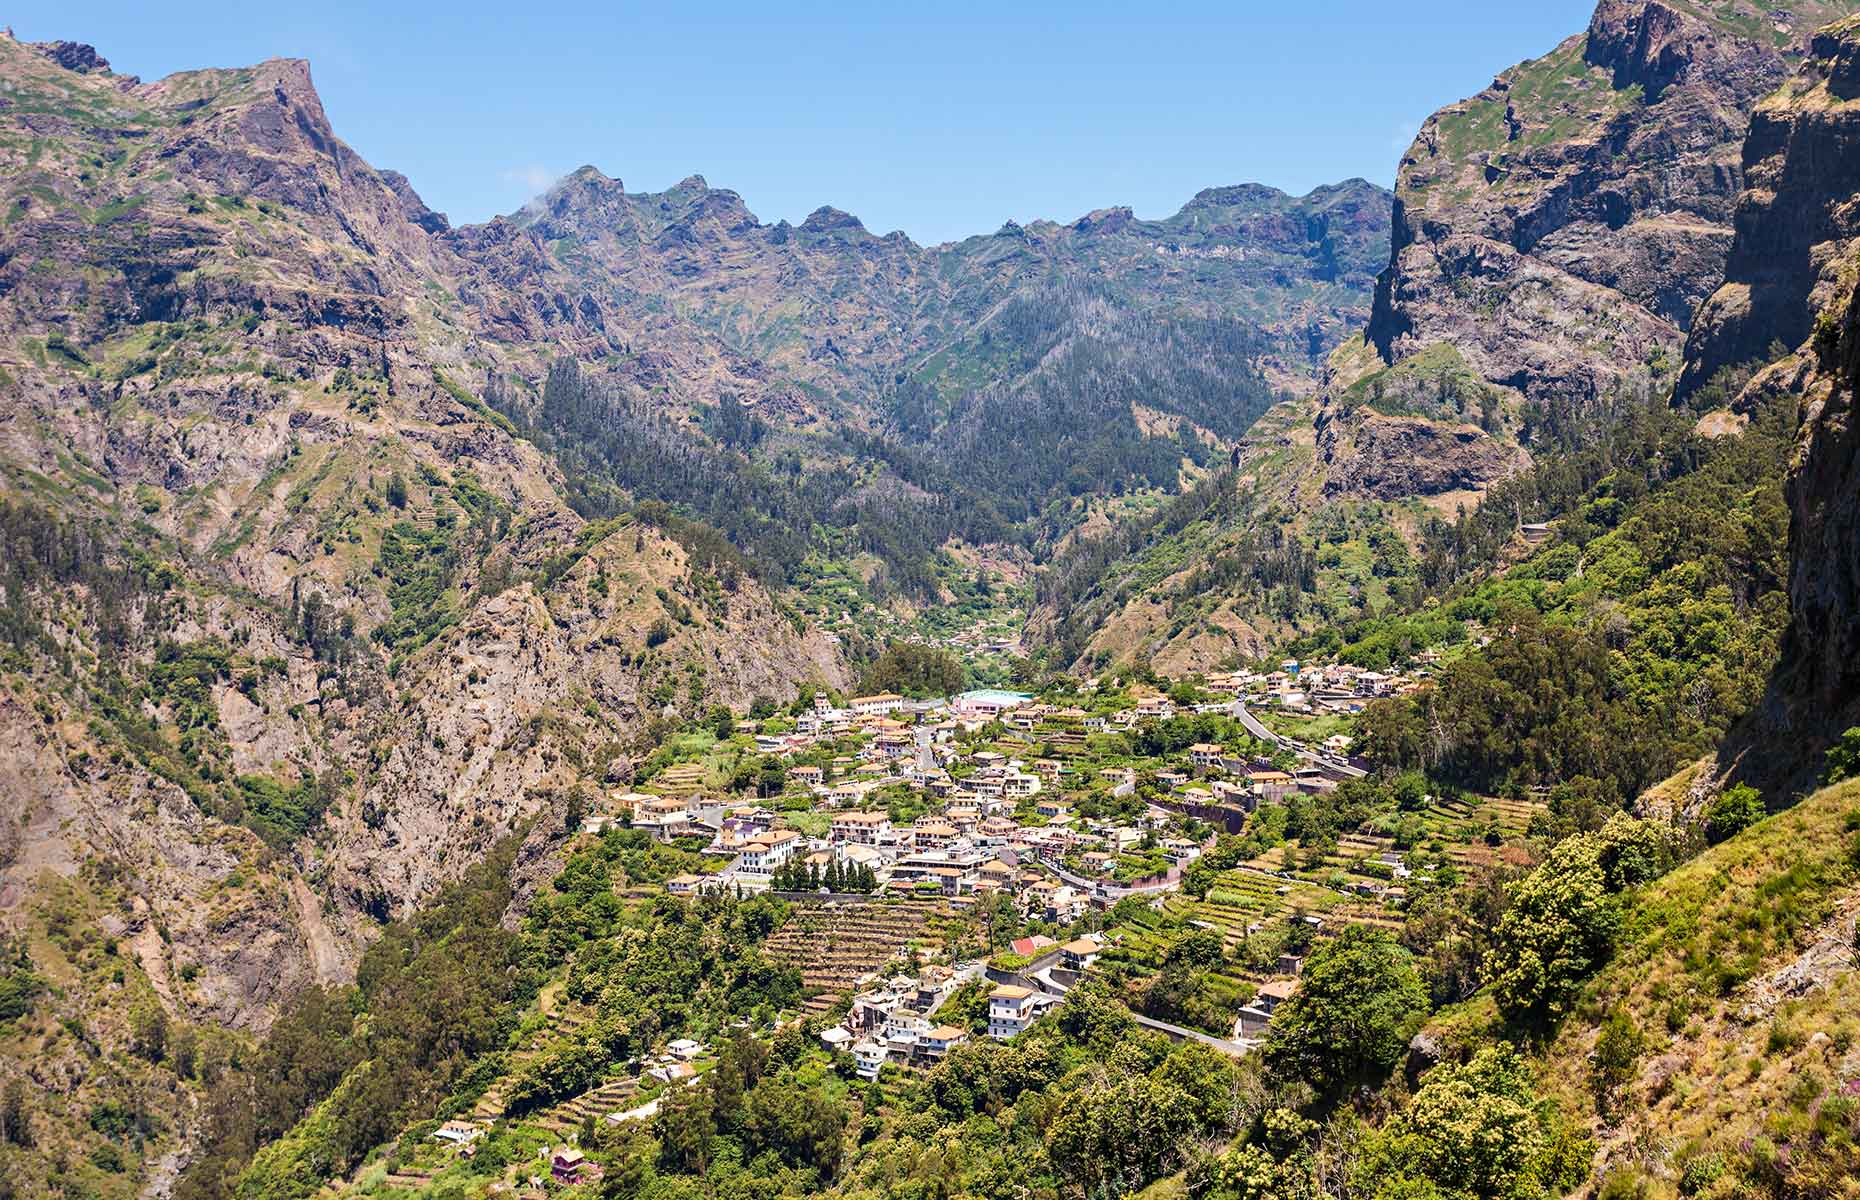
[[1627, 646], [1064, 419], [616, 449]]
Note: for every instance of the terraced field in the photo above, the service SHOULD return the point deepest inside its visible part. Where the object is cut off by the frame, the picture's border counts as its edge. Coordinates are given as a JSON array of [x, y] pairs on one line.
[[680, 779], [559, 1020], [1462, 830], [836, 946]]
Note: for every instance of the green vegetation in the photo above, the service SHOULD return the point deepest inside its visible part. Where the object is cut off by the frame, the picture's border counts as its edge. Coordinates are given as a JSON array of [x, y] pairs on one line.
[[913, 670], [1436, 384], [19, 987], [1629, 644], [343, 1070], [1348, 1026]]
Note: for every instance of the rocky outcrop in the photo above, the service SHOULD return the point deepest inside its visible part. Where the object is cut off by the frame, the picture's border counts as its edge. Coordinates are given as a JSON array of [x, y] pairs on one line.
[[1559, 229], [1391, 458], [1796, 220], [74, 56], [1822, 656]]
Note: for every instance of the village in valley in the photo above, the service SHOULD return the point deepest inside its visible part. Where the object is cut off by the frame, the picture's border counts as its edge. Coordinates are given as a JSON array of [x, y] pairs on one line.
[[950, 868], [995, 801]]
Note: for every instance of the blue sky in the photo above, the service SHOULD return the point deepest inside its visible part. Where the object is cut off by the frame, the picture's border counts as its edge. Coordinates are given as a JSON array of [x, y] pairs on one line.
[[941, 120]]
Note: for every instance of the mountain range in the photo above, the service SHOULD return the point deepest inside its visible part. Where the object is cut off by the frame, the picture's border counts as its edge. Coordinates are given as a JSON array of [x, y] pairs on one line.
[[275, 426], [344, 546]]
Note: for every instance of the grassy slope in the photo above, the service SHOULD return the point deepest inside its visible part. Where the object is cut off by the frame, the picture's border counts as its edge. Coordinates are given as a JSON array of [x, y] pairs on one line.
[[1707, 965], [1737, 969]]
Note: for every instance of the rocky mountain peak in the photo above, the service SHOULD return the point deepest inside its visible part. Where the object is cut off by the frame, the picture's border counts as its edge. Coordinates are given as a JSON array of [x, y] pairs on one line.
[[290, 85], [74, 56], [1235, 195], [582, 201], [588, 180], [1104, 220], [412, 207], [726, 206], [1646, 44], [827, 219]]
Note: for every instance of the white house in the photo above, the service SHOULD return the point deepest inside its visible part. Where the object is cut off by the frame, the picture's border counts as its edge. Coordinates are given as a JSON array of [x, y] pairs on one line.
[[941, 1040], [868, 1057], [1012, 1009], [767, 851], [861, 828]]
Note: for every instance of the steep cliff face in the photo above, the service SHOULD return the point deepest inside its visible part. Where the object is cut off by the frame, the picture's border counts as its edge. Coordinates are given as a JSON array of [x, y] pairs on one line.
[[1791, 280], [1795, 221], [1558, 229], [1820, 674]]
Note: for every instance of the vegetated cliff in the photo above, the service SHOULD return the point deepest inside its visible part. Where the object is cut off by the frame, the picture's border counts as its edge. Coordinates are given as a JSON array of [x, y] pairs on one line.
[[1791, 281], [1702, 1054], [1555, 233], [1552, 237]]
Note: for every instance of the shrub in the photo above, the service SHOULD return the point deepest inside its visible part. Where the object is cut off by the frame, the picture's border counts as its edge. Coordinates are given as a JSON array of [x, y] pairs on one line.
[[1351, 1018], [1558, 930], [1843, 757], [1733, 811]]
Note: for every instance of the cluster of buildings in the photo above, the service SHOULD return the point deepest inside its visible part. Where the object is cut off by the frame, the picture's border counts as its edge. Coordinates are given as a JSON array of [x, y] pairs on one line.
[[1328, 687], [895, 1020], [996, 822]]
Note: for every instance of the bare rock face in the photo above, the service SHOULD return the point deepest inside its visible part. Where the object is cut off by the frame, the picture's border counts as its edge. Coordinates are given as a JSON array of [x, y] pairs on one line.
[[1796, 220], [1559, 229], [75, 56], [1824, 496], [1583, 200], [1393, 457]]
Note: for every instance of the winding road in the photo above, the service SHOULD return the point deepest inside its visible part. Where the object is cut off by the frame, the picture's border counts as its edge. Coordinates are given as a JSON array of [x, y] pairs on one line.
[[1335, 767]]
